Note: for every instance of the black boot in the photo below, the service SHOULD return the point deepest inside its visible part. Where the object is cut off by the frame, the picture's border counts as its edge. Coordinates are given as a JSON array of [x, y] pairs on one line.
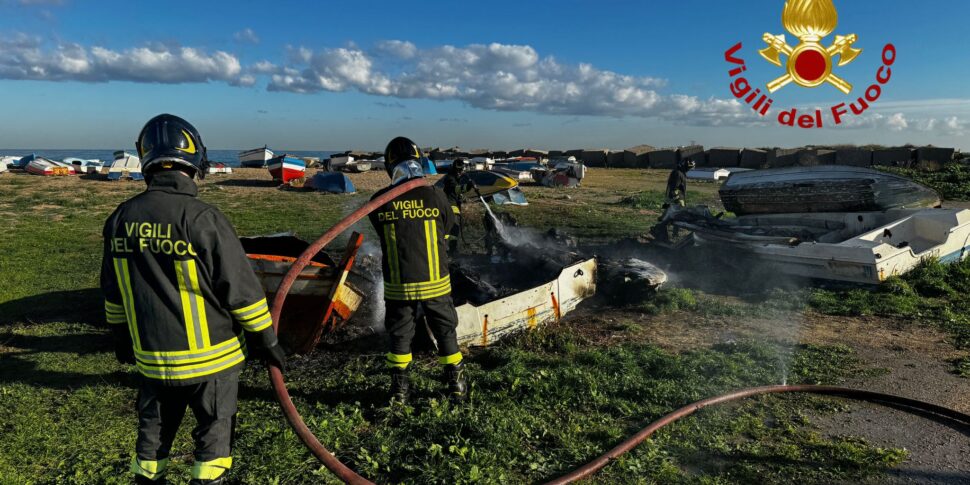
[[218, 481], [455, 380], [141, 480], [400, 384]]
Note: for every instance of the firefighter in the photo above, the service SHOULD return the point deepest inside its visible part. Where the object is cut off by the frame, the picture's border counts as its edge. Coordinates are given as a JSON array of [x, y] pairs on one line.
[[454, 191], [677, 184], [182, 301], [676, 198], [413, 229]]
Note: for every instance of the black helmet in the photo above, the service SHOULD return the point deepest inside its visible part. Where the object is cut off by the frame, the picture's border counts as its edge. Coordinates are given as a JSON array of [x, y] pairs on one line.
[[687, 165], [399, 150], [168, 140], [459, 165]]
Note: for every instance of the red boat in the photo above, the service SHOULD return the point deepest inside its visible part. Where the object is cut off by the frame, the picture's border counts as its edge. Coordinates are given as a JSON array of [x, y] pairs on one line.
[[285, 168]]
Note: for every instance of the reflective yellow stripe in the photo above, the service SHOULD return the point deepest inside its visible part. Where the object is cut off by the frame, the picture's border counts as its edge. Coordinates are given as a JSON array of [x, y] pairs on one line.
[[434, 248], [249, 309], [257, 324], [423, 285], [398, 360], [114, 313], [211, 470], [150, 469], [431, 243], [450, 359], [179, 357], [110, 307], [393, 259], [124, 285], [199, 301], [455, 209], [193, 305], [187, 319], [183, 372]]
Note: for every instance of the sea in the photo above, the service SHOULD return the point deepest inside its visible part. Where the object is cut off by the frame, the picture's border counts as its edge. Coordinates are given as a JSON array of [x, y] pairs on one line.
[[229, 157]]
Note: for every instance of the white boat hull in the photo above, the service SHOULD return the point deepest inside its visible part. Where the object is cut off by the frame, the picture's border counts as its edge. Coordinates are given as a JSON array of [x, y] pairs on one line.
[[487, 323], [891, 249]]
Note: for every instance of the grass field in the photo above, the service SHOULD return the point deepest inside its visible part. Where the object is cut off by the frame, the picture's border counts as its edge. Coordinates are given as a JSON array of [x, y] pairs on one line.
[[541, 403]]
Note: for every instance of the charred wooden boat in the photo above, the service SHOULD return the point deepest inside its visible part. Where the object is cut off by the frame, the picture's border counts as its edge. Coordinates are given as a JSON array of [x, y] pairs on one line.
[[324, 296]]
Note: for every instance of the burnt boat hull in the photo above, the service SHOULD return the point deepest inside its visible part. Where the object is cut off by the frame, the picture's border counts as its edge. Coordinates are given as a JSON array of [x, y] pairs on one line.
[[822, 189]]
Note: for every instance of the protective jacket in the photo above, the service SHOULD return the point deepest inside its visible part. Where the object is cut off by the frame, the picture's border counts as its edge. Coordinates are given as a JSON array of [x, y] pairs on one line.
[[677, 188], [452, 188], [413, 229], [175, 273]]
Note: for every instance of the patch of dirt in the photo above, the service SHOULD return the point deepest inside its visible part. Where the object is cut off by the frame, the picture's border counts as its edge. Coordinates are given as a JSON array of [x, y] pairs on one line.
[[916, 358]]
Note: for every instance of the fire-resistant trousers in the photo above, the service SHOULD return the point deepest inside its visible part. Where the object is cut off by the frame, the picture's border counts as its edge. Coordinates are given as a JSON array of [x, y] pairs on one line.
[[160, 412], [399, 321]]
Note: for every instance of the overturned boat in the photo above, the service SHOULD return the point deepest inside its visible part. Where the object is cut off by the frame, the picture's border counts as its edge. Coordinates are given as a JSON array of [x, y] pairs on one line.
[[82, 166], [219, 168], [43, 166], [125, 167], [823, 188], [853, 247]]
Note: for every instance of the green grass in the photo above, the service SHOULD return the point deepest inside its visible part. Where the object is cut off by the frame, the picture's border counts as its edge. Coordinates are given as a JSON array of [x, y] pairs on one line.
[[541, 403], [953, 182], [933, 293]]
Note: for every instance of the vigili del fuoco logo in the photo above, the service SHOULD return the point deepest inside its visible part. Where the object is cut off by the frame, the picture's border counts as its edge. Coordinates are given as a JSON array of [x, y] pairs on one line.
[[808, 64]]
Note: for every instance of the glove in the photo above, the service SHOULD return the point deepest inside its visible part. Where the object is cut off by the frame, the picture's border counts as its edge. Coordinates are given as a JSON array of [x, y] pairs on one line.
[[124, 352], [266, 347], [276, 356]]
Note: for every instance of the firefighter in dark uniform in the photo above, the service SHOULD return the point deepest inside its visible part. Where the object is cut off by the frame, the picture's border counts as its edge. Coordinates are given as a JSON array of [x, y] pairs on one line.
[[453, 190], [677, 184], [676, 198], [413, 229], [182, 302]]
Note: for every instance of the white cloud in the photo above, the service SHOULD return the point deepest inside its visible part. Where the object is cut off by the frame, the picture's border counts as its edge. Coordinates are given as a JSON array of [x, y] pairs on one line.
[[497, 77], [246, 36], [397, 48], [897, 122], [25, 57]]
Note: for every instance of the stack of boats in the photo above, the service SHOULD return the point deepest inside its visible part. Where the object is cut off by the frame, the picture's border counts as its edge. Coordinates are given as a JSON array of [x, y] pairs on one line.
[[834, 223]]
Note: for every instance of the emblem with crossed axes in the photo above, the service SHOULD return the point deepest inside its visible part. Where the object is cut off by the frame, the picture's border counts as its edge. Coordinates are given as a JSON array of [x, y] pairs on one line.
[[809, 63]]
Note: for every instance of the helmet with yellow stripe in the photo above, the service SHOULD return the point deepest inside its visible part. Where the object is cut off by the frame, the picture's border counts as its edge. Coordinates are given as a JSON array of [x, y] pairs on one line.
[[170, 142]]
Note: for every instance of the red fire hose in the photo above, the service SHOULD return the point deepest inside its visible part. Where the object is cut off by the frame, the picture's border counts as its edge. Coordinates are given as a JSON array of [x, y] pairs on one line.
[[276, 377], [349, 476], [856, 394]]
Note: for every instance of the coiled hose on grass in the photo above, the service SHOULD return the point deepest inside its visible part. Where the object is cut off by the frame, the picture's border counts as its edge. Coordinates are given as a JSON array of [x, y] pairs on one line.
[[349, 476]]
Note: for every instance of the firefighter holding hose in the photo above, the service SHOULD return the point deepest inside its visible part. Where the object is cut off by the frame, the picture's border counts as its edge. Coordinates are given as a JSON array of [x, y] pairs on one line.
[[454, 191], [182, 302], [413, 229]]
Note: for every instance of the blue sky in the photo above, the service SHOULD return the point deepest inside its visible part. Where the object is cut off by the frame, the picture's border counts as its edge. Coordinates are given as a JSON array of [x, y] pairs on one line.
[[499, 74]]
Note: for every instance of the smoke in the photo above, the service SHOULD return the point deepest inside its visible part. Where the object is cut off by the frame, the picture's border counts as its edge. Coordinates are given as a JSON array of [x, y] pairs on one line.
[[368, 264]]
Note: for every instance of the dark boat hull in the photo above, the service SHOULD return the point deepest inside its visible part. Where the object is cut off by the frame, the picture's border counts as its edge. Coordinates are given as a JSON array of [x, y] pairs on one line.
[[822, 189]]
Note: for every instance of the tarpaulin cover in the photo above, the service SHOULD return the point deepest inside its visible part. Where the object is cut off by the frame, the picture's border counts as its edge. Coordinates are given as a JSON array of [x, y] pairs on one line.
[[333, 182]]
